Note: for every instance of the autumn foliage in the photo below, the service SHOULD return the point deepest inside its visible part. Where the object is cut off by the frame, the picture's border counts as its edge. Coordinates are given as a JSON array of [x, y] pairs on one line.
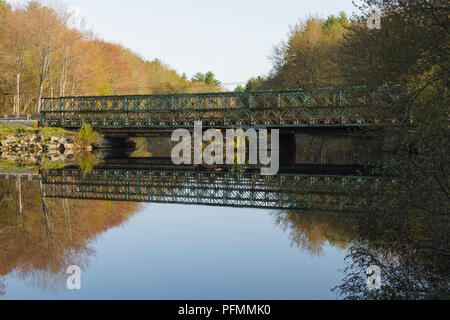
[[43, 55]]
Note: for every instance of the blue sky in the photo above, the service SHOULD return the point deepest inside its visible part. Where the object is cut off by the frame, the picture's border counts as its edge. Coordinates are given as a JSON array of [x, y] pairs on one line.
[[232, 38]]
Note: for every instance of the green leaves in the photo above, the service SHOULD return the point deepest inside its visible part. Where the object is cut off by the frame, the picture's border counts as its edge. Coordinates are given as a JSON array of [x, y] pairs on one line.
[[87, 135]]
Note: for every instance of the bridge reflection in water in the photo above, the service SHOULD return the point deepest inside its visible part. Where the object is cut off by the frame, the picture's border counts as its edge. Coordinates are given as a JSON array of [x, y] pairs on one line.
[[290, 191]]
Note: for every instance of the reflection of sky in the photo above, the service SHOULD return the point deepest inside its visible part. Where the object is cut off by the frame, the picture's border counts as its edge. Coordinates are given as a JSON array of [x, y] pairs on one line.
[[193, 252]]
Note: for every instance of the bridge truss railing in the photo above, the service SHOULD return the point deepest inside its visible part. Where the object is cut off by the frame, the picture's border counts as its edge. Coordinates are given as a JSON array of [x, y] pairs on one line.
[[291, 108], [286, 191]]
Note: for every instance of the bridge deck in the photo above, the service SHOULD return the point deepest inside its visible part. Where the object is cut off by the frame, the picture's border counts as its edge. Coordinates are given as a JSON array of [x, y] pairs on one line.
[[269, 109]]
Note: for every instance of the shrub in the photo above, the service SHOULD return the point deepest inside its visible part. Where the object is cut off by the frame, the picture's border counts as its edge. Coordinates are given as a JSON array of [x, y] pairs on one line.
[[87, 135], [87, 163]]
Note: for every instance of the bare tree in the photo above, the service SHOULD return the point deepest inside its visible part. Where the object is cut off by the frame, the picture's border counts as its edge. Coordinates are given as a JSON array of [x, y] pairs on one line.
[[50, 34]]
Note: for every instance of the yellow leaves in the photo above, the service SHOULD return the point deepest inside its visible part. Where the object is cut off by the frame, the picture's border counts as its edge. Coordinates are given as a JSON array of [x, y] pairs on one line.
[[105, 89]]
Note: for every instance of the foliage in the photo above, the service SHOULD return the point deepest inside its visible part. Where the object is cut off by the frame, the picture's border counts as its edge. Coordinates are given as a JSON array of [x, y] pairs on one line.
[[309, 57], [55, 60], [142, 148], [254, 84], [207, 78], [239, 88], [87, 135], [406, 63], [87, 162]]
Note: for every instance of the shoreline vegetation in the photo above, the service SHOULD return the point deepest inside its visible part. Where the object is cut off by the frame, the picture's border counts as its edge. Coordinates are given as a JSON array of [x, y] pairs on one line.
[[28, 148], [43, 55]]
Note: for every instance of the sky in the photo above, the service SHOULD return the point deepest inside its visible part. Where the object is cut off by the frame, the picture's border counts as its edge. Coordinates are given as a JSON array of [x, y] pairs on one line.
[[232, 38]]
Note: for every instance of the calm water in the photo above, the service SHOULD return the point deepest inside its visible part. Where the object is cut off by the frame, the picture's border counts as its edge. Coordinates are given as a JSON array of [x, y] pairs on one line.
[[140, 228], [196, 252]]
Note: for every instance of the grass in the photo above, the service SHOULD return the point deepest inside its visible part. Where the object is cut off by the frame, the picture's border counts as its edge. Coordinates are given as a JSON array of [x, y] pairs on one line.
[[25, 130], [44, 164]]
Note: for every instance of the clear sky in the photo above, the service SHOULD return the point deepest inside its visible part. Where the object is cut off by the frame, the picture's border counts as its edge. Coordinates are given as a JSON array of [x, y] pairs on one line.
[[232, 38]]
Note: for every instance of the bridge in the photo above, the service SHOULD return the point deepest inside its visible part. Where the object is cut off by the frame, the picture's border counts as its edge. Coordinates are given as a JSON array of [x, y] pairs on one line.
[[227, 186], [329, 107], [294, 192]]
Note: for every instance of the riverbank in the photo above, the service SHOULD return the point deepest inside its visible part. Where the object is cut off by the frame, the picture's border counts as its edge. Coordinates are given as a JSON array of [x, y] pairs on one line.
[[19, 139], [28, 147]]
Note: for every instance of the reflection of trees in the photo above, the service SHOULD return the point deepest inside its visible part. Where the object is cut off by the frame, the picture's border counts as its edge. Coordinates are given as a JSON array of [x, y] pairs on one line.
[[2, 287], [311, 231], [410, 248], [50, 234]]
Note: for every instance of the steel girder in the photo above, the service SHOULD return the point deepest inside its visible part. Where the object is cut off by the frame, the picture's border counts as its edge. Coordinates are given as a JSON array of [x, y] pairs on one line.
[[292, 108], [234, 189]]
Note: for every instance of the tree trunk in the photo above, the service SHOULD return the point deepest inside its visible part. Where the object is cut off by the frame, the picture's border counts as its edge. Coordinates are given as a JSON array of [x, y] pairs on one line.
[[17, 107], [63, 79], [44, 69], [41, 87]]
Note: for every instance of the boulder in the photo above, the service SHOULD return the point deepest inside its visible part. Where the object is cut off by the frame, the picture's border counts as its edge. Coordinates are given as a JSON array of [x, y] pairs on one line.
[[62, 141]]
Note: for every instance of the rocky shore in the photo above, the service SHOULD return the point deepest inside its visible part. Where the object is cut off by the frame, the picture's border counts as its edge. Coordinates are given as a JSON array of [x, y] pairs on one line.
[[25, 145], [19, 143]]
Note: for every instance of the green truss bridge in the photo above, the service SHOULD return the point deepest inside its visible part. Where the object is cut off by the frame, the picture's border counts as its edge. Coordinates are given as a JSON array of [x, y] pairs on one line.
[[296, 192], [330, 107]]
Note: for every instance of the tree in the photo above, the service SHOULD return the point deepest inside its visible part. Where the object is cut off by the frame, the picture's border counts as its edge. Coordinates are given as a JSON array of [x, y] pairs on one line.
[[48, 32], [254, 84], [406, 63], [207, 78], [54, 59], [309, 57], [211, 80], [404, 67], [239, 88]]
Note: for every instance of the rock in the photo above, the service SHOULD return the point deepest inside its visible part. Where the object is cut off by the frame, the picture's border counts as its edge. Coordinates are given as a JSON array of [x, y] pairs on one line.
[[52, 147], [54, 157], [9, 140], [69, 152]]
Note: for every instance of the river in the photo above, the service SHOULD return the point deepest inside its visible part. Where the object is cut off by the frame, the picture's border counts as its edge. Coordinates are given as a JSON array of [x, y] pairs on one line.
[[141, 228]]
